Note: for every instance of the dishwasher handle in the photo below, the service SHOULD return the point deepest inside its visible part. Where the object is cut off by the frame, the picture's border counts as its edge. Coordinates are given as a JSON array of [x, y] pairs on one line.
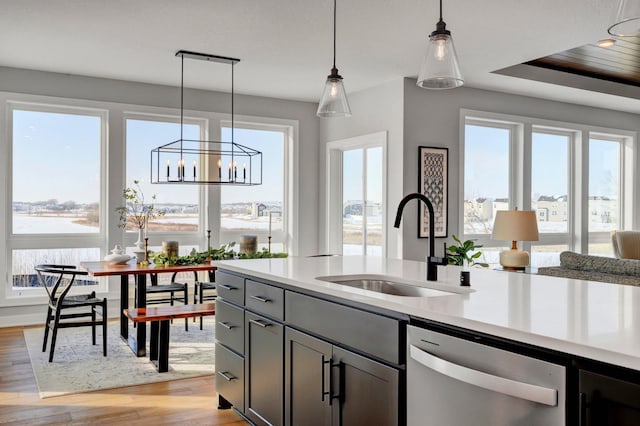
[[509, 387]]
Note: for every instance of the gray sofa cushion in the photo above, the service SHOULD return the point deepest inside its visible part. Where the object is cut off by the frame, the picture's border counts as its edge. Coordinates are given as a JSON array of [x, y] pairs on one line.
[[595, 268], [607, 265]]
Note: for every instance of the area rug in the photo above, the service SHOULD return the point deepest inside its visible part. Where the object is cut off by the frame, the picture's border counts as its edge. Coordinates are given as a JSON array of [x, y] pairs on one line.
[[78, 366]]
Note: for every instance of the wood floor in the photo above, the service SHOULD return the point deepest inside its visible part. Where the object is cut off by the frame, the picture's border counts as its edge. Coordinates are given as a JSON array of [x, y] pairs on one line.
[[178, 402]]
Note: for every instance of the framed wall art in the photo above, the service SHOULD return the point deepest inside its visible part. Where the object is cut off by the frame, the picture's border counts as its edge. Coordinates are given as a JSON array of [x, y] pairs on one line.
[[433, 182]]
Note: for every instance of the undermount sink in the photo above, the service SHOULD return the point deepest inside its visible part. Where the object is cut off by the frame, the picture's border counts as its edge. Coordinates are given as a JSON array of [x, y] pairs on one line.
[[392, 285]]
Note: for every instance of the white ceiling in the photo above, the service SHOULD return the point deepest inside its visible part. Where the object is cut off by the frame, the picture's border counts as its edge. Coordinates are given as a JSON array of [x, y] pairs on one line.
[[285, 46]]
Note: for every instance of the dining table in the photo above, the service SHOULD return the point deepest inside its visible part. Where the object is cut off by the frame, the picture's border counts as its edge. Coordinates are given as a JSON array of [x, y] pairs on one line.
[[139, 271]]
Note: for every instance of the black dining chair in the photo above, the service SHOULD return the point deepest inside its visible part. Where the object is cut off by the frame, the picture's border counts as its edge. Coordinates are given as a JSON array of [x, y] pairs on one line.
[[57, 281], [205, 291]]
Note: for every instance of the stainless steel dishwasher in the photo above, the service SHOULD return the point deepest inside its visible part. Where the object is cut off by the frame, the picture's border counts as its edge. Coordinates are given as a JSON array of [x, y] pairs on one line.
[[453, 381]]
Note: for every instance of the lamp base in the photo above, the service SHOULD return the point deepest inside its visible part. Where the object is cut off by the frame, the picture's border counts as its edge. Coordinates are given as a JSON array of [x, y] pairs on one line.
[[514, 260]]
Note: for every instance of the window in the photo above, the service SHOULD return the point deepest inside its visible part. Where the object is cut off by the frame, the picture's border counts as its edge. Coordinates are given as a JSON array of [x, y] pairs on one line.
[[181, 203], [604, 192], [56, 181], [538, 165], [486, 175], [362, 201], [357, 194], [550, 180], [258, 210]]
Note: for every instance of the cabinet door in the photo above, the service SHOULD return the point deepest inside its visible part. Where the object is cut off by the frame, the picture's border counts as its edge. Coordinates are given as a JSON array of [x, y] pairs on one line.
[[307, 367], [368, 391], [608, 401], [264, 360]]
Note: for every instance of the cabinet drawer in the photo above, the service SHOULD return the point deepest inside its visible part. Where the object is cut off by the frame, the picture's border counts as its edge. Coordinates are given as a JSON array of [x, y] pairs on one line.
[[365, 331], [230, 376], [230, 326], [230, 287], [265, 299]]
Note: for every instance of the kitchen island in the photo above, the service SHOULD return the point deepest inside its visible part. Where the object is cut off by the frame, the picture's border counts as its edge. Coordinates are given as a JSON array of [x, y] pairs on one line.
[[581, 320]]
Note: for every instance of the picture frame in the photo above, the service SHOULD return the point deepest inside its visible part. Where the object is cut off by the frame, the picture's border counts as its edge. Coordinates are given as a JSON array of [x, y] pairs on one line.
[[433, 183]]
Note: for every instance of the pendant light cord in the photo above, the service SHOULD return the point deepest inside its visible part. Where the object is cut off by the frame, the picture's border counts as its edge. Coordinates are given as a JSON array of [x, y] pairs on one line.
[[440, 10], [334, 33], [181, 109]]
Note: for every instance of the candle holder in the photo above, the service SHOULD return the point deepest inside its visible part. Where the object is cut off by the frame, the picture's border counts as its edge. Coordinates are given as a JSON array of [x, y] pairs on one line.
[[269, 244], [146, 249], [208, 245]]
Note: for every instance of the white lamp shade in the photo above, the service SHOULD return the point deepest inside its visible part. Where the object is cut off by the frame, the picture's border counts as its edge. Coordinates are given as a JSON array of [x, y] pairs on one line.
[[627, 20], [515, 225], [440, 69], [333, 102]]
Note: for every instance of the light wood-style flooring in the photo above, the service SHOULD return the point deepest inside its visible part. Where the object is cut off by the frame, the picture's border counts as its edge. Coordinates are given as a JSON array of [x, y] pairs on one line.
[[180, 402]]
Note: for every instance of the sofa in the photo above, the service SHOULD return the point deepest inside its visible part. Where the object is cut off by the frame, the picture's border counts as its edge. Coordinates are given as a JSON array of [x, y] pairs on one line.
[[595, 268]]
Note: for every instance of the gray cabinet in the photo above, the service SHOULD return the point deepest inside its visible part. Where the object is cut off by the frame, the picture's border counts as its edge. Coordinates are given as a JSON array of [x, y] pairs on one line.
[[329, 385], [264, 360], [368, 392], [308, 396], [283, 357]]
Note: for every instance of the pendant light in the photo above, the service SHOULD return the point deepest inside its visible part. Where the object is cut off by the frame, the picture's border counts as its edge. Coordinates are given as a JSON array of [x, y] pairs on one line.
[[190, 161], [627, 22], [440, 69], [333, 102]]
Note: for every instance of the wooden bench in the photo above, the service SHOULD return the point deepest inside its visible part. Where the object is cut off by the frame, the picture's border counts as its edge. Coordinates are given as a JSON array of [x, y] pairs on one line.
[[160, 318]]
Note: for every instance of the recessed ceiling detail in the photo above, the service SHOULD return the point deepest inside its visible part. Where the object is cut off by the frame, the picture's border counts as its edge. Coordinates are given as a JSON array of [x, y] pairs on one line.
[[618, 63]]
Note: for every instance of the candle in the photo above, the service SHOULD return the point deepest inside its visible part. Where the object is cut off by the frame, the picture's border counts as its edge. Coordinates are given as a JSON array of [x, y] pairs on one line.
[[168, 168], [269, 223], [244, 171], [194, 169], [219, 169]]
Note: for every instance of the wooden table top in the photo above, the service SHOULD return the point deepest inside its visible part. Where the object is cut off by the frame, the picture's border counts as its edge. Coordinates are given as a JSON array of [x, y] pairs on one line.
[[104, 268]]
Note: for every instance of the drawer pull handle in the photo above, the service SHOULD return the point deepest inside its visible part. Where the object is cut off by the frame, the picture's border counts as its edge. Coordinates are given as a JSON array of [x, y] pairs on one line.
[[261, 299], [260, 323], [227, 287], [226, 376], [226, 325]]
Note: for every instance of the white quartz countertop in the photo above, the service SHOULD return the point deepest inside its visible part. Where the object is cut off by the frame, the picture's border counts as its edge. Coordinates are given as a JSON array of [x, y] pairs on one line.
[[599, 321]]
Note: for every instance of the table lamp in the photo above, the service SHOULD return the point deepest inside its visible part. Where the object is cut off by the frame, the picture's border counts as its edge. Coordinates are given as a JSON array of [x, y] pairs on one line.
[[515, 225]]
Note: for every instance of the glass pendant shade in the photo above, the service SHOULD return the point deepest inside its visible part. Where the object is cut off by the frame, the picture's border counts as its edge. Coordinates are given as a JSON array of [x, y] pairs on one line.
[[627, 20], [440, 69], [333, 102]]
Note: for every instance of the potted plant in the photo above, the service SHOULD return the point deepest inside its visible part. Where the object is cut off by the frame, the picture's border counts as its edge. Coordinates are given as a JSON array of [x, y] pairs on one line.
[[464, 253], [136, 211]]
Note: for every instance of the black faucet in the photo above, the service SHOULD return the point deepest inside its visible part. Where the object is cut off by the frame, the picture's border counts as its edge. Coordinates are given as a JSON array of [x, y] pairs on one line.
[[432, 261]]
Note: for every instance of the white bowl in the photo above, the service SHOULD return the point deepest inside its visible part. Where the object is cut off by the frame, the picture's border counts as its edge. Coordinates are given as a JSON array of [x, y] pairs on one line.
[[117, 258]]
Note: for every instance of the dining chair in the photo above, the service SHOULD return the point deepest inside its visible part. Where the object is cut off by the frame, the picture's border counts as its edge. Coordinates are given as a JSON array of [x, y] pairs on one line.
[[57, 281], [205, 291]]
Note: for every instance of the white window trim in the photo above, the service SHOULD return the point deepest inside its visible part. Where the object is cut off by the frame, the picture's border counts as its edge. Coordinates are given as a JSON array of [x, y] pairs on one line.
[[12, 102], [333, 155], [578, 153], [113, 175], [289, 235]]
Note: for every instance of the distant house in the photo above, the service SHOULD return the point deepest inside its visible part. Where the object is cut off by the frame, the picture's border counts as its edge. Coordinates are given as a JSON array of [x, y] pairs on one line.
[[552, 208], [354, 208]]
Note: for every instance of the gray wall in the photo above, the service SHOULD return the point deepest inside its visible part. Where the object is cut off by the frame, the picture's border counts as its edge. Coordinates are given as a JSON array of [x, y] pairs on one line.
[[374, 110], [96, 89], [431, 118]]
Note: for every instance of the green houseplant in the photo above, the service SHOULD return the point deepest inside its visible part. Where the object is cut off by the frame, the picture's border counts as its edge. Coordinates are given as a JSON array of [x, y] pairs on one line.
[[464, 253]]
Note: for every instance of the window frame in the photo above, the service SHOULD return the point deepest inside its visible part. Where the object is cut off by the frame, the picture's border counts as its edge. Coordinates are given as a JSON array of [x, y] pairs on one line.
[[288, 236], [9, 296], [334, 186], [112, 175], [520, 168]]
